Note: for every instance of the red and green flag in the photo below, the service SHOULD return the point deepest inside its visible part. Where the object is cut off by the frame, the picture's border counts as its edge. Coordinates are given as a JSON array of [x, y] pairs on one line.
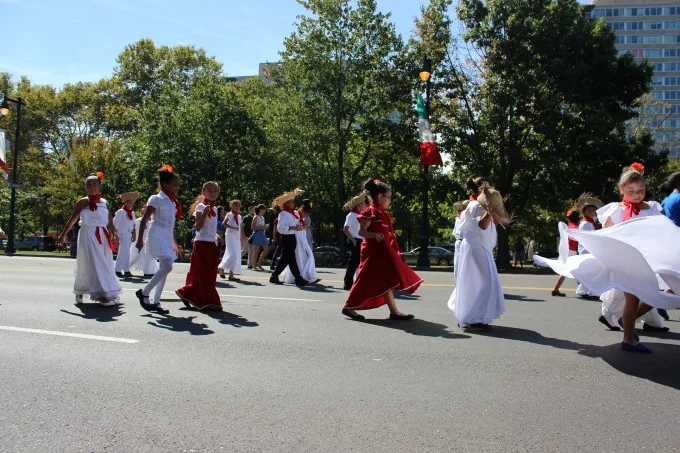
[[429, 153]]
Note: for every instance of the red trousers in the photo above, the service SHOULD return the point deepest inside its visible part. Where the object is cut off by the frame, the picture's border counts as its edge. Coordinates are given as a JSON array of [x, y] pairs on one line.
[[200, 290]]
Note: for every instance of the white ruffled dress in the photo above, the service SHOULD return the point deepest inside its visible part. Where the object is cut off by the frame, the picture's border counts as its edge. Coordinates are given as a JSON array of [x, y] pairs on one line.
[[95, 273], [478, 295], [304, 256]]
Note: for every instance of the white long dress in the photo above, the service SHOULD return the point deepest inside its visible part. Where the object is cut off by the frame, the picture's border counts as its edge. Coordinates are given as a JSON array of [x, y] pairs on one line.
[[459, 240], [143, 261], [124, 228], [478, 295], [585, 226], [231, 261], [304, 256], [161, 238], [94, 264], [639, 256]]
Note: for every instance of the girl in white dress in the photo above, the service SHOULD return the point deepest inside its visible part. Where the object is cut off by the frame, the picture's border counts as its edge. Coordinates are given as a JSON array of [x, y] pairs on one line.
[[460, 208], [165, 209], [94, 266], [233, 238], [124, 221], [478, 296], [304, 255], [142, 261]]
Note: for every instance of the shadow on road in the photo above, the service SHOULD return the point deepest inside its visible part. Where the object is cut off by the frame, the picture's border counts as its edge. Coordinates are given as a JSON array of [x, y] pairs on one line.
[[419, 327], [662, 367], [223, 284], [96, 312], [405, 296], [520, 298], [246, 283], [231, 319], [319, 288], [177, 324]]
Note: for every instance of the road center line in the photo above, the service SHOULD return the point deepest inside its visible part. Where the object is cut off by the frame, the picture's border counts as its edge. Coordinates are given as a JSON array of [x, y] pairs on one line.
[[69, 334]]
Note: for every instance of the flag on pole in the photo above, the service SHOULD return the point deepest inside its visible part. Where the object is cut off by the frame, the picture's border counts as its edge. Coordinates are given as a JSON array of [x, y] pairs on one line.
[[3, 159], [429, 153]]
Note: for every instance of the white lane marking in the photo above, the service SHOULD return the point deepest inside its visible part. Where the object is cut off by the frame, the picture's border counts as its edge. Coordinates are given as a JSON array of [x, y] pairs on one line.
[[69, 334], [244, 297]]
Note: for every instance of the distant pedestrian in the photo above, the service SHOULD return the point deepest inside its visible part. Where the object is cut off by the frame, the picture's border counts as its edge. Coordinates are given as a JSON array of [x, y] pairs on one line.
[[247, 232], [276, 239], [519, 253], [351, 229], [95, 275], [234, 238], [381, 269], [288, 225], [200, 292], [124, 221], [166, 210], [259, 241], [572, 249], [671, 204]]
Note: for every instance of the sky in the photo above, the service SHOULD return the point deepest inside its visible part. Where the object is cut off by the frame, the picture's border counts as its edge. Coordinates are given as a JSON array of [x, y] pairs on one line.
[[64, 41]]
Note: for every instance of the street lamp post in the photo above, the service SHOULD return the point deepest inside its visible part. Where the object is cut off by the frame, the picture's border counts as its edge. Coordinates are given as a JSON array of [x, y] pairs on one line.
[[4, 110], [423, 254]]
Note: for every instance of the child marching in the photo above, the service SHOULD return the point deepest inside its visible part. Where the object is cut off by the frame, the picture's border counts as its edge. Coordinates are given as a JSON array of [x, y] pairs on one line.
[[381, 269], [200, 292], [287, 226], [165, 209], [95, 275], [478, 297], [351, 229], [124, 221], [234, 238]]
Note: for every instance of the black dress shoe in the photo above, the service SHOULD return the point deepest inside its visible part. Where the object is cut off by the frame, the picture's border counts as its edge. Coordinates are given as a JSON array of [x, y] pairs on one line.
[[558, 294], [663, 313], [128, 275], [301, 282], [396, 317], [650, 328], [160, 310], [352, 314], [148, 275], [589, 297], [275, 280], [142, 300], [347, 288], [120, 275], [604, 321]]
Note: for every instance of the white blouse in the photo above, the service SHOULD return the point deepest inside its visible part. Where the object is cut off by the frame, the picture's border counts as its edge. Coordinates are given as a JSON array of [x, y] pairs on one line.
[[209, 231], [163, 225], [352, 221], [286, 222]]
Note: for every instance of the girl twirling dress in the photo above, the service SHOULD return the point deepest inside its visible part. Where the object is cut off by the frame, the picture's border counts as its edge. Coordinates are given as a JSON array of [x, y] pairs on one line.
[[232, 255], [381, 268], [95, 273], [478, 296]]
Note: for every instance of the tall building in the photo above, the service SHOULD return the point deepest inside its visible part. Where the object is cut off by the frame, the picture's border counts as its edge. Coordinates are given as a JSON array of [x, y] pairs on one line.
[[650, 29]]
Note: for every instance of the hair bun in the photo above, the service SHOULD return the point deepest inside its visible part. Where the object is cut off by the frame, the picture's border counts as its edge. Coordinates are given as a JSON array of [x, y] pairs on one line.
[[370, 184], [166, 168]]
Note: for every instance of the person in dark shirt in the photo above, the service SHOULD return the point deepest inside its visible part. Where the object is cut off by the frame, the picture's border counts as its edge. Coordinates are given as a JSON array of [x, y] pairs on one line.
[[247, 225]]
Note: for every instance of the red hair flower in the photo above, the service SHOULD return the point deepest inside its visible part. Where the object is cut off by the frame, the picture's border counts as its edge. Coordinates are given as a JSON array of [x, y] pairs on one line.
[[637, 166], [377, 181], [100, 175], [167, 167]]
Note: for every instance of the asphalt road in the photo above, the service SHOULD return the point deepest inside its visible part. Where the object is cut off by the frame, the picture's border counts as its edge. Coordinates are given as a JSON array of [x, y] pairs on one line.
[[283, 370]]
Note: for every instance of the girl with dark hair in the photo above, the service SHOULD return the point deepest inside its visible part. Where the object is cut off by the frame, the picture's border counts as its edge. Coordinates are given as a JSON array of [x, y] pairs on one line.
[[199, 292], [260, 243], [231, 260], [166, 209], [94, 264], [474, 185], [574, 219], [381, 269]]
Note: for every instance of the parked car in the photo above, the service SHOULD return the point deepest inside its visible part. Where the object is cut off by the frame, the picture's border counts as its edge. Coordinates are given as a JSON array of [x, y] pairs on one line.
[[438, 256], [37, 243], [330, 256]]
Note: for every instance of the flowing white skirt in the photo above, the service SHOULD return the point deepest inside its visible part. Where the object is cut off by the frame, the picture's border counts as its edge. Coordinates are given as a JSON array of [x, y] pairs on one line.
[[478, 295], [123, 258], [94, 267], [304, 256], [231, 261], [640, 257], [142, 261]]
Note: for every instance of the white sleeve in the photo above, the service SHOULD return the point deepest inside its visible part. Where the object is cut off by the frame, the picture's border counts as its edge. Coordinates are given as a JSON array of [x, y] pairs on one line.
[[284, 224], [605, 212], [348, 220], [118, 218], [199, 209], [154, 201]]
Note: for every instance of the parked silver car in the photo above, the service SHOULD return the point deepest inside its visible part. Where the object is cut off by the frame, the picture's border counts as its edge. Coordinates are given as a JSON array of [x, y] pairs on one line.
[[438, 256]]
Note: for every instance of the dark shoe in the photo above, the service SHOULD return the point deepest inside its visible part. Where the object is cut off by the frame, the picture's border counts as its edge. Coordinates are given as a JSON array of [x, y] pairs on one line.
[[558, 294], [589, 297], [604, 321], [160, 310], [396, 317], [637, 337], [347, 288], [250, 267], [650, 328], [301, 282], [143, 300], [663, 313], [148, 275], [275, 280], [352, 314], [120, 275], [128, 275], [639, 348]]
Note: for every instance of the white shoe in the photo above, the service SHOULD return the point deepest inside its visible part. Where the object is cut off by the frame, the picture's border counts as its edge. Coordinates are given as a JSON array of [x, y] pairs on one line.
[[79, 299], [107, 303], [117, 301]]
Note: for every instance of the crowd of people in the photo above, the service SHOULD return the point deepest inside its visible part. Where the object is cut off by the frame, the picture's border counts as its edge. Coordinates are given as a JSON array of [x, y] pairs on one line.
[[591, 247]]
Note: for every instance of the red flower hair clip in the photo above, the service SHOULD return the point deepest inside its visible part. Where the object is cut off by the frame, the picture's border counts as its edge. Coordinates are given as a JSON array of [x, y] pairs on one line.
[[637, 166], [167, 167], [377, 181], [100, 175]]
